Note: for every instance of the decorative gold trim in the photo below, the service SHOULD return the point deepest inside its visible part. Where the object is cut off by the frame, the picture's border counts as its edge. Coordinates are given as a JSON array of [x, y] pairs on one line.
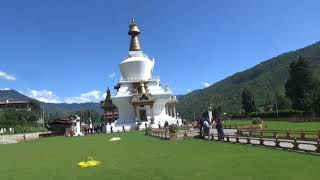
[[134, 33]]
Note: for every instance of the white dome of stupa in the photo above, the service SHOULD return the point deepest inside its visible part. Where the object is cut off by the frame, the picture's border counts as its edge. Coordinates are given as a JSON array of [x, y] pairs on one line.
[[136, 66]]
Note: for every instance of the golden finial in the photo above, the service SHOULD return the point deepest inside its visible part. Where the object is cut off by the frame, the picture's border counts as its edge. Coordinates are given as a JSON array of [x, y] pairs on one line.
[[134, 33]]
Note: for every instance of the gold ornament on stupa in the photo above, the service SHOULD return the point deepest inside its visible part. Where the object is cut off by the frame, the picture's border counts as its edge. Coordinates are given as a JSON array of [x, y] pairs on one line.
[[134, 33]]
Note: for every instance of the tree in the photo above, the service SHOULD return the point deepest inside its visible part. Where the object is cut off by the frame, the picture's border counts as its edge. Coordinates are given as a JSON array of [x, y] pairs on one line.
[[248, 102], [283, 103], [216, 111], [3, 121], [12, 117], [302, 87]]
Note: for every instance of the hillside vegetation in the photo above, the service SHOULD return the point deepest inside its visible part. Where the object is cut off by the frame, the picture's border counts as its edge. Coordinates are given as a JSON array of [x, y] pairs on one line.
[[264, 80]]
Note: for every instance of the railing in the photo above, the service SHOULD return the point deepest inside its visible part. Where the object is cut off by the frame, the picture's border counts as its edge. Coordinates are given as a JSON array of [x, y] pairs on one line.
[[152, 78], [288, 134], [294, 144], [139, 54], [165, 134]]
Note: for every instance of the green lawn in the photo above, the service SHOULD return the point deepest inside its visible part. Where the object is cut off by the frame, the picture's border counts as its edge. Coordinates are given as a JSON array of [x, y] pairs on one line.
[[283, 125], [142, 157]]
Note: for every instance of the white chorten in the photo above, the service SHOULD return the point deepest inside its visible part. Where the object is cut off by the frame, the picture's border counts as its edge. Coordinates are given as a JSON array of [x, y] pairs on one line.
[[140, 98]]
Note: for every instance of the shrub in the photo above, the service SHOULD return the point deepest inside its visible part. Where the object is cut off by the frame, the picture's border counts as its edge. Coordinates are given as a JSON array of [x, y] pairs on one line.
[[281, 114], [257, 121], [173, 128], [148, 130], [28, 129]]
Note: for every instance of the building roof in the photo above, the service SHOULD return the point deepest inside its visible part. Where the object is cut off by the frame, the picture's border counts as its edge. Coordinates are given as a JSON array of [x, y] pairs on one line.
[[15, 102], [62, 121]]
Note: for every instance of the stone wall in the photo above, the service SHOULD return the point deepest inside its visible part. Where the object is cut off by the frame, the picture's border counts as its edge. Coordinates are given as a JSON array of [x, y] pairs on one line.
[[15, 138]]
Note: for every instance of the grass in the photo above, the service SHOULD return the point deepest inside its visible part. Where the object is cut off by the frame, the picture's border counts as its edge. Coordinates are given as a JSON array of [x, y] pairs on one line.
[[281, 125], [139, 157]]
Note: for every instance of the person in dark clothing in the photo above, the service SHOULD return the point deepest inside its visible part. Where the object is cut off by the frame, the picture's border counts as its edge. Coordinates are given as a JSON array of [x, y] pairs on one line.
[[219, 129], [166, 124]]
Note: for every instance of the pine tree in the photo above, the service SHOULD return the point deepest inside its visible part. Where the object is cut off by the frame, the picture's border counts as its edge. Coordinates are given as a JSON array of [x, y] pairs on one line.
[[248, 102], [301, 87]]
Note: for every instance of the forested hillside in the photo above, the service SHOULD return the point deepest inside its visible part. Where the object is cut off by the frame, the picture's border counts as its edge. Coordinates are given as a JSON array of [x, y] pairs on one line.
[[265, 80]]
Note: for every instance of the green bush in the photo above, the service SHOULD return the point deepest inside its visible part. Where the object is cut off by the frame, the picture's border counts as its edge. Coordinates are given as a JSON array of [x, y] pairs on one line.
[[173, 128], [28, 129], [257, 121], [281, 114], [148, 130]]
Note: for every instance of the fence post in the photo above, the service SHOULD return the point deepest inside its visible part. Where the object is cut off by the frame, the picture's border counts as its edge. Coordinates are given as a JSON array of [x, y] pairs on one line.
[[185, 134], [295, 144], [277, 143], [248, 140], [318, 146], [237, 138], [261, 141], [165, 133], [212, 137], [275, 135], [302, 134], [288, 134]]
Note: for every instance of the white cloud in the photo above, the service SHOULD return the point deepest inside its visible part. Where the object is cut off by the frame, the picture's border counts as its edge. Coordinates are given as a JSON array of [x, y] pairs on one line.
[[49, 97], [5, 89], [43, 95], [6, 76], [205, 84], [92, 96], [112, 75], [189, 90], [104, 95]]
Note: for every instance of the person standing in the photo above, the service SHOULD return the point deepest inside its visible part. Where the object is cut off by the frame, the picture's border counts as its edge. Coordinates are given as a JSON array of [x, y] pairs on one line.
[[219, 129]]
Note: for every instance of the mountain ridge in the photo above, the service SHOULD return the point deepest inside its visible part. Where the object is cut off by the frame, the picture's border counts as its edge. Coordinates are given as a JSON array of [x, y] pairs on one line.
[[62, 109], [264, 79]]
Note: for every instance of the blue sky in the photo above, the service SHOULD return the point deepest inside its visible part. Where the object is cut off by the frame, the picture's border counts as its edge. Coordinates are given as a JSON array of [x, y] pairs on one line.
[[69, 51]]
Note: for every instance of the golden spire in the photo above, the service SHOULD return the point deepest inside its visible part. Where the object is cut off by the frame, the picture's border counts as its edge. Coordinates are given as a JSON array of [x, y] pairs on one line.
[[134, 33]]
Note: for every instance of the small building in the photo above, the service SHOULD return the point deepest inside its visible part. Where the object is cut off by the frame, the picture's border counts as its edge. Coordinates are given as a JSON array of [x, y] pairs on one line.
[[18, 105], [61, 127]]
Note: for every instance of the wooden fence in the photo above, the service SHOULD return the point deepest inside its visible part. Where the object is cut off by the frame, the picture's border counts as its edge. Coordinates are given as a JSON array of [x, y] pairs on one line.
[[296, 145], [274, 142], [288, 134], [165, 134]]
